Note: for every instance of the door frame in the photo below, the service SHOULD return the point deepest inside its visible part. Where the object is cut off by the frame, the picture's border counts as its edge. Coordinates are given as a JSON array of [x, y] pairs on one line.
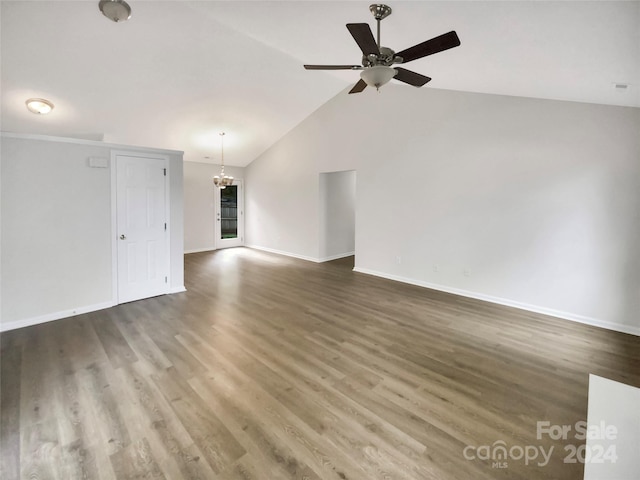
[[216, 211], [114, 214]]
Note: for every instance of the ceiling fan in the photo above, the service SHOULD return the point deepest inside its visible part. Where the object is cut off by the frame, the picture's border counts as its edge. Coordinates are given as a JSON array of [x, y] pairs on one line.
[[377, 60]]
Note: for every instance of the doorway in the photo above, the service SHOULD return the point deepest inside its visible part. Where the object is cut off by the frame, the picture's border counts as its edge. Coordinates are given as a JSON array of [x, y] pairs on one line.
[[229, 211], [337, 214], [141, 222]]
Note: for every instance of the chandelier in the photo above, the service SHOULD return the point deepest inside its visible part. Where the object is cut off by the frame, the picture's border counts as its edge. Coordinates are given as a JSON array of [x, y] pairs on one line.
[[223, 180]]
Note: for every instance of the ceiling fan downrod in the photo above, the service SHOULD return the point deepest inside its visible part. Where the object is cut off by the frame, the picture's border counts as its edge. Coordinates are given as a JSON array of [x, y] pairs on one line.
[[380, 12]]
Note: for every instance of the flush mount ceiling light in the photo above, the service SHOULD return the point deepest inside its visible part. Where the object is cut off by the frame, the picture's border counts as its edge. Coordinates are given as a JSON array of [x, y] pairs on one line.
[[39, 106], [115, 10]]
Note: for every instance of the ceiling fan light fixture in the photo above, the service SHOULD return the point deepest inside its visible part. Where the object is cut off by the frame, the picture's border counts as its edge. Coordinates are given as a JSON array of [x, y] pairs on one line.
[[39, 106], [115, 10], [378, 75]]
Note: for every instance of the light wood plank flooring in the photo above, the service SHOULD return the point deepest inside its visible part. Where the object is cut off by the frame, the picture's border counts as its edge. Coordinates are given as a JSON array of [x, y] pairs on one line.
[[275, 368]]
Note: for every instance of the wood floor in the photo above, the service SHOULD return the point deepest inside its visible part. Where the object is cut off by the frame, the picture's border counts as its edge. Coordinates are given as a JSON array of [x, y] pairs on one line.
[[275, 368]]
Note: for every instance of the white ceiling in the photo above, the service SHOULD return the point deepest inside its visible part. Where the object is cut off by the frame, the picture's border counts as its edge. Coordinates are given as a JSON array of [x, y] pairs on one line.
[[179, 72]]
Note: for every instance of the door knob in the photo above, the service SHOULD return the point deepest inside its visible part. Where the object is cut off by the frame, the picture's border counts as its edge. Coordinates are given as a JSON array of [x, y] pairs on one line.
[[122, 237]]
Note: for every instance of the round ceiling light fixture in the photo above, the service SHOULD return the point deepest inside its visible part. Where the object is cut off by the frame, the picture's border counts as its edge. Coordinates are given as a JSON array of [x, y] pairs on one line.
[[39, 106], [115, 10]]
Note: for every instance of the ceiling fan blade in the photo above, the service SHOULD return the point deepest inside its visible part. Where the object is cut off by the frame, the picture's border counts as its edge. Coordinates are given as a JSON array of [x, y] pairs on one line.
[[333, 67], [412, 78], [435, 45], [358, 87], [362, 34]]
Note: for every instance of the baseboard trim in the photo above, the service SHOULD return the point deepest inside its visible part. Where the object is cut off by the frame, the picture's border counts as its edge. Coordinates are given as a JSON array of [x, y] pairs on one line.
[[336, 257], [27, 322], [286, 254], [50, 317], [200, 250], [595, 322], [302, 257]]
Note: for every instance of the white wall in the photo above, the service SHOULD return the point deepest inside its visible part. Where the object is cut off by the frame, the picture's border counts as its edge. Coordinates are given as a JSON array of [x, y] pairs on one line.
[[199, 205], [56, 257], [337, 222], [536, 200], [613, 419], [176, 212], [282, 197]]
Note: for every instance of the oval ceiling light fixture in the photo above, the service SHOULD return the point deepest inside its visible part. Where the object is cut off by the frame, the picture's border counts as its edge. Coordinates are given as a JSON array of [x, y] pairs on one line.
[[115, 10], [39, 106]]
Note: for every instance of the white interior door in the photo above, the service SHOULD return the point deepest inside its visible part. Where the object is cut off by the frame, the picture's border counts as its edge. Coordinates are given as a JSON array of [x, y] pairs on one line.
[[143, 253], [229, 224]]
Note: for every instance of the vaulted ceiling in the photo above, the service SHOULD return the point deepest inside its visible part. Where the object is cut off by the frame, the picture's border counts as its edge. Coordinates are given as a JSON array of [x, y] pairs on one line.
[[179, 72]]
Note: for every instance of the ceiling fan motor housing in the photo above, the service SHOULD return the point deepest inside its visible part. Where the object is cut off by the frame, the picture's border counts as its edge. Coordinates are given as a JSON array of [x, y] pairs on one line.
[[387, 57]]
